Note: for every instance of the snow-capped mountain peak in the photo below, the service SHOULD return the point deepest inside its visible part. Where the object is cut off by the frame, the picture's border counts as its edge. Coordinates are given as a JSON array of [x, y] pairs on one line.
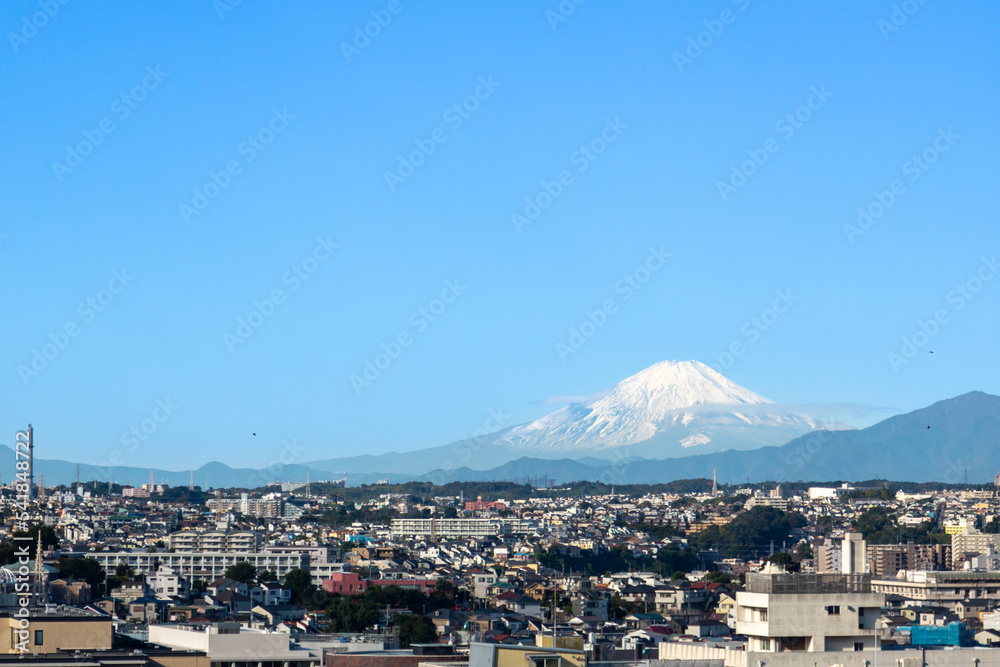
[[670, 406], [673, 385]]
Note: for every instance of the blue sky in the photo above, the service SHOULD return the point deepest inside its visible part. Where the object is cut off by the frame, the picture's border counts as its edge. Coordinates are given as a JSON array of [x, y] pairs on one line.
[[300, 132]]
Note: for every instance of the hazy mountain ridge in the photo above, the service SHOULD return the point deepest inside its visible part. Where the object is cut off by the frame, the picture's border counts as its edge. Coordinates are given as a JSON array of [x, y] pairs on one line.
[[671, 409], [673, 420], [963, 437]]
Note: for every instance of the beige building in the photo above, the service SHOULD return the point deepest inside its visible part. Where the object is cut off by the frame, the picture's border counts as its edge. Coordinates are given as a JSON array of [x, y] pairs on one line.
[[885, 560], [512, 655], [971, 541], [55, 629]]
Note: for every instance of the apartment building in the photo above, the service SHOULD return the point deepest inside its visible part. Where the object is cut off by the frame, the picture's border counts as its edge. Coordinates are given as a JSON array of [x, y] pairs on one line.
[[942, 587], [970, 541], [444, 528], [247, 506], [781, 612], [214, 540], [207, 565], [885, 560]]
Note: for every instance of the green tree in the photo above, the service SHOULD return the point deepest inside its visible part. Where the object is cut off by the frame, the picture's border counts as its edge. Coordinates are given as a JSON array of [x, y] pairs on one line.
[[750, 532], [415, 629], [300, 583], [49, 538], [444, 593], [785, 560], [242, 571], [265, 576], [81, 569]]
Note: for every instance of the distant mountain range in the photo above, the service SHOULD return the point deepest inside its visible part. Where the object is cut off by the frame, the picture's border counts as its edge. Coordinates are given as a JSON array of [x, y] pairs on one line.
[[671, 409], [942, 443], [673, 420]]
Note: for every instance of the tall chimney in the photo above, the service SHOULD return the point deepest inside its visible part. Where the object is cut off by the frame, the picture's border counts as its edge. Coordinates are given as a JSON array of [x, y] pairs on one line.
[[31, 463]]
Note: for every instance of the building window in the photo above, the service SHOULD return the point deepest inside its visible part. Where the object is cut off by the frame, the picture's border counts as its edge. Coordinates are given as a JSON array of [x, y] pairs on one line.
[[833, 610], [38, 637], [859, 646], [765, 644]]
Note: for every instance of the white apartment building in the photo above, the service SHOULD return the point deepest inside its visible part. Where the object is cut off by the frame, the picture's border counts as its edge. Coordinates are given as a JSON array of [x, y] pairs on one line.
[[782, 612], [214, 540], [445, 528], [207, 565]]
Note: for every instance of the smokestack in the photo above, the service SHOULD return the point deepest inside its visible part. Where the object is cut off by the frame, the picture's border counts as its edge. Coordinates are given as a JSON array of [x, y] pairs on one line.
[[31, 463]]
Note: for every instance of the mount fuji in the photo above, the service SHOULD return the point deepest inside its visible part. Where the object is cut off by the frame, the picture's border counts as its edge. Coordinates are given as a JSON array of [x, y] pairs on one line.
[[673, 408], [669, 410]]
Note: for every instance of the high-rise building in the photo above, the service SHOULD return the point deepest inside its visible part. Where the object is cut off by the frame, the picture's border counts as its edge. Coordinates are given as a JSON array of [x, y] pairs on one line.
[[827, 556], [853, 555], [885, 560]]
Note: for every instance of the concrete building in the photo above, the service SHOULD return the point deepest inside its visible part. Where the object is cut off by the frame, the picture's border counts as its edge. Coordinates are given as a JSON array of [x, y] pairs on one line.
[[247, 506], [229, 645], [942, 587], [767, 501], [54, 629], [853, 554], [828, 493], [782, 612], [481, 505], [970, 541], [513, 655], [207, 565], [885, 560], [165, 582], [214, 540], [827, 557], [444, 528]]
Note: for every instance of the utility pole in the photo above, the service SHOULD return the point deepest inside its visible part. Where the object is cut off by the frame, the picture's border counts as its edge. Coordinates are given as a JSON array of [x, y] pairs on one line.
[[553, 618]]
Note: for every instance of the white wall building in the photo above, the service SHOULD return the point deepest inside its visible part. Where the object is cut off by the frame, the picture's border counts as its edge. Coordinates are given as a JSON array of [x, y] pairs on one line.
[[214, 540], [167, 583], [444, 528], [808, 612], [229, 645]]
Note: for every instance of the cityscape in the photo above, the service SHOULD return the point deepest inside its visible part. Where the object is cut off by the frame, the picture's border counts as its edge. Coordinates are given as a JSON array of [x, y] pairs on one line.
[[556, 333]]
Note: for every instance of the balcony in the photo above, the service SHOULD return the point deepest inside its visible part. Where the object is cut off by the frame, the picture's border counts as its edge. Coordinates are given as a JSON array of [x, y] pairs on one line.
[[751, 628]]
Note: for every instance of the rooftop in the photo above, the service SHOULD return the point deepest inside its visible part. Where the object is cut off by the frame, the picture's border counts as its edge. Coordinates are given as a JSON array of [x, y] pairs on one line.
[[804, 584]]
